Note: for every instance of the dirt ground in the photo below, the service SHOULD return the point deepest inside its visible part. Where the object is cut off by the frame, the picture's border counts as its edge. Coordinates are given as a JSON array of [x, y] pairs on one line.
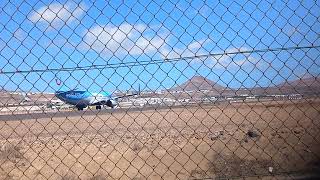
[[258, 139]]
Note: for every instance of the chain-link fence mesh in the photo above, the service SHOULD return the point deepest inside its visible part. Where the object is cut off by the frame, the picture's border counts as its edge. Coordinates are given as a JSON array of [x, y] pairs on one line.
[[159, 89]]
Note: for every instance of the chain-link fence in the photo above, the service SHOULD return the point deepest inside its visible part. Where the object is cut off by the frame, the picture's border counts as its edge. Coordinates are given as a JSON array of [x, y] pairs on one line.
[[159, 89]]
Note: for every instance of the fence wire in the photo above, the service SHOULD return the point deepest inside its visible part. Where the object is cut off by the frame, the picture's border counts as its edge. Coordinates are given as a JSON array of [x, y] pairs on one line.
[[159, 89]]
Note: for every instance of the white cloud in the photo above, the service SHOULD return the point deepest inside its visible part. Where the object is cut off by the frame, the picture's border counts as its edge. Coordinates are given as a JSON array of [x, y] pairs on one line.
[[231, 58], [141, 39], [195, 48], [20, 34], [138, 39], [196, 45], [291, 31], [126, 38], [57, 14]]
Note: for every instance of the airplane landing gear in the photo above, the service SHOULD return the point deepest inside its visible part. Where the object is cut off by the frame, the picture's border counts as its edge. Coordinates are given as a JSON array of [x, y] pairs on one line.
[[80, 108]]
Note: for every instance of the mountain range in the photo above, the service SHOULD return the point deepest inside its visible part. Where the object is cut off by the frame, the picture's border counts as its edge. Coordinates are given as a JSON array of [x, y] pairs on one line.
[[198, 83], [308, 85], [199, 86]]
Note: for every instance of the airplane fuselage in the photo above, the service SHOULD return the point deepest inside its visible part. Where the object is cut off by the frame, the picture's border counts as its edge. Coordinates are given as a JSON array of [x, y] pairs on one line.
[[82, 99]]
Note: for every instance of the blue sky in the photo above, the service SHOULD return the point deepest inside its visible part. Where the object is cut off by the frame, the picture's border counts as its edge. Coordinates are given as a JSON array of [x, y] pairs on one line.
[[42, 35]]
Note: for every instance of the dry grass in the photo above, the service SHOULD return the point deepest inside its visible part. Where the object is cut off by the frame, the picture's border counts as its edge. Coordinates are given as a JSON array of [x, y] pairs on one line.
[[198, 142], [12, 156]]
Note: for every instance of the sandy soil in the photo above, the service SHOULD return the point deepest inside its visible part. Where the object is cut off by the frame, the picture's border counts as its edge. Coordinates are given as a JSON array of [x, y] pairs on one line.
[[268, 139]]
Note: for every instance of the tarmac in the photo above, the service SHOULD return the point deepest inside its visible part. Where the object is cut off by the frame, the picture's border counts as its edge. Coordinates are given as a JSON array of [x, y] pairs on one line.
[[74, 113]]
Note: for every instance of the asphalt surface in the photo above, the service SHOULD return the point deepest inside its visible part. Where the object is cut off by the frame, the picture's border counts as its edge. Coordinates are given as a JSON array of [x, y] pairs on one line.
[[91, 112], [86, 112], [39, 115]]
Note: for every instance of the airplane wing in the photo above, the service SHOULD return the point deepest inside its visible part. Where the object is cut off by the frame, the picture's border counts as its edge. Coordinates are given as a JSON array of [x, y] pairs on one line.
[[96, 100]]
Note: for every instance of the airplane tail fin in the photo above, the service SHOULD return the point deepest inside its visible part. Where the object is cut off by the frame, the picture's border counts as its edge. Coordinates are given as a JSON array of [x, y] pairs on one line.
[[138, 92], [58, 81]]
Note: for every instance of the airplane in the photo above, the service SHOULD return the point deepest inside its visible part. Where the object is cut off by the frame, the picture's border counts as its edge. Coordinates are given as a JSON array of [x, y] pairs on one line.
[[83, 99]]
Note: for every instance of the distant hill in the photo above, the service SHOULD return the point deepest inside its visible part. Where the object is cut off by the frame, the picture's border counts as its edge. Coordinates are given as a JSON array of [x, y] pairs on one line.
[[198, 83], [310, 85], [306, 86], [9, 98], [310, 82], [14, 98]]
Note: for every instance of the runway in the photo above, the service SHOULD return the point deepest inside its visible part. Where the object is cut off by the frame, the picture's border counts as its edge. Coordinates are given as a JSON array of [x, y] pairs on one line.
[[86, 112], [40, 115], [91, 112]]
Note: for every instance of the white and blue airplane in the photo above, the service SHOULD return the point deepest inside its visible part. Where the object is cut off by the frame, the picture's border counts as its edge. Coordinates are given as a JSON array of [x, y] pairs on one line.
[[83, 99]]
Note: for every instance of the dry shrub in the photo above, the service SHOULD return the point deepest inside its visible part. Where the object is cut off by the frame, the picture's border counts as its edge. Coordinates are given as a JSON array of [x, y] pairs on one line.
[[136, 147], [228, 166]]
